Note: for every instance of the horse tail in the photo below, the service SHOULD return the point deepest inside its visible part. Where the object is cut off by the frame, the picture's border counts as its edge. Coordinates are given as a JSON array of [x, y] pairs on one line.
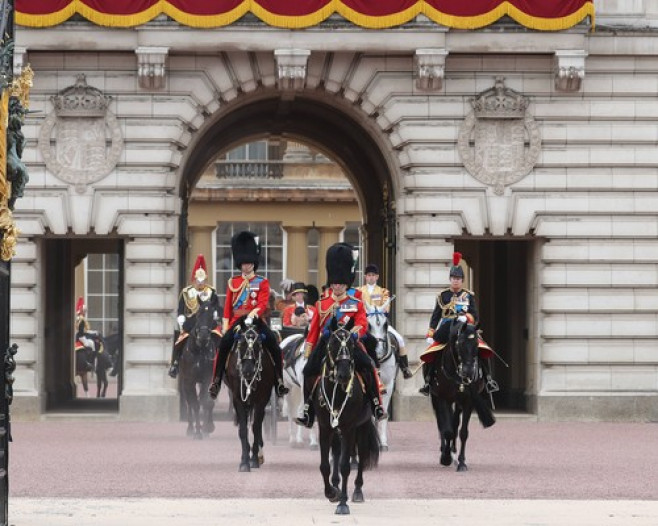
[[368, 445], [487, 419]]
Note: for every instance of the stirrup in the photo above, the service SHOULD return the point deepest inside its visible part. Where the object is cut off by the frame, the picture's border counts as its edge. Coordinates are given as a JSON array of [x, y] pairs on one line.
[[213, 390], [378, 411], [306, 420], [406, 373], [492, 385], [425, 390], [281, 389], [173, 370]]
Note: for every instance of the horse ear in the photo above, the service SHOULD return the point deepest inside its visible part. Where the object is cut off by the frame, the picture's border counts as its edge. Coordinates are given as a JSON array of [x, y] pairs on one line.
[[334, 324], [350, 325]]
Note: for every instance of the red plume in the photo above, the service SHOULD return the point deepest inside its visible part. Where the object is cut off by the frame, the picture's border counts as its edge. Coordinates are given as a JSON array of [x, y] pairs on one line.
[[79, 305], [200, 263], [456, 258]]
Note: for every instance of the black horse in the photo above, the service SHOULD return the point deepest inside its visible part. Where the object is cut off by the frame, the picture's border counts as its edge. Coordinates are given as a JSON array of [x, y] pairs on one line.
[[455, 390], [196, 372], [344, 418], [250, 377]]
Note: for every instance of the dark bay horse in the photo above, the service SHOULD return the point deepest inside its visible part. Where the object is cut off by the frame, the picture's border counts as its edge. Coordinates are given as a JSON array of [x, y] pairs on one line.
[[344, 417], [250, 377], [196, 372], [455, 391]]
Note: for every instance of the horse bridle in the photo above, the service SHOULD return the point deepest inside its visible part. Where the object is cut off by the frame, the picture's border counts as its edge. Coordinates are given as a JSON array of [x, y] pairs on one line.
[[250, 336], [342, 354], [384, 341]]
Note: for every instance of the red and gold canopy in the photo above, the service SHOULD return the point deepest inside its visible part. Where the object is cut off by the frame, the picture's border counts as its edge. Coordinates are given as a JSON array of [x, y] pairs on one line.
[[546, 15]]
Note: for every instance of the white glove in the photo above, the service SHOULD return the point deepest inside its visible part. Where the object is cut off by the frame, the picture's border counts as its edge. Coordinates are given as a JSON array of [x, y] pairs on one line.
[[429, 340], [248, 321], [462, 319], [181, 321], [215, 316]]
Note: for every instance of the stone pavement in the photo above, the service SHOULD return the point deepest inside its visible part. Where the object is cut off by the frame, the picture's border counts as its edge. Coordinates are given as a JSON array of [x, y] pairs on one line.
[[314, 512]]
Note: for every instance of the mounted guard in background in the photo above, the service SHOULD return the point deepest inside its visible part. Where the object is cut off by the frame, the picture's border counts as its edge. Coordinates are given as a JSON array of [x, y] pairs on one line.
[[188, 307], [455, 307]]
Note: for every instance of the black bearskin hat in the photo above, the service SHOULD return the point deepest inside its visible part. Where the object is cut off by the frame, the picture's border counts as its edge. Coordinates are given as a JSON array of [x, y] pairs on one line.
[[456, 271], [341, 264], [313, 295], [371, 269], [245, 248]]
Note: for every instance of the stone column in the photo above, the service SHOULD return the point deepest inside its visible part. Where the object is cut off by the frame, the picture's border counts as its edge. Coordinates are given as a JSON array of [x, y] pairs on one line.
[[297, 252], [328, 236], [201, 242]]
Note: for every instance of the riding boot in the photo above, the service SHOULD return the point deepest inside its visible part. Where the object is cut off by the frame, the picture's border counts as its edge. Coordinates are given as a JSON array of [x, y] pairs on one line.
[[308, 411], [277, 358], [219, 365], [377, 407], [175, 355], [427, 374], [404, 366]]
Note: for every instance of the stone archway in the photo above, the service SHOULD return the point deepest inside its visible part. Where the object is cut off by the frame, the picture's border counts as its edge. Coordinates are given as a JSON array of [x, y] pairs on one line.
[[332, 126]]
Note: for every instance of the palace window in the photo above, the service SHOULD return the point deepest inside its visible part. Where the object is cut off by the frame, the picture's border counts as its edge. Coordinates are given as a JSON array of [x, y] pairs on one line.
[[352, 235], [103, 292]]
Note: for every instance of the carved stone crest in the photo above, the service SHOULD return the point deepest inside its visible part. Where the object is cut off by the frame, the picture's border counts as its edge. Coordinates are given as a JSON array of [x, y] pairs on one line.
[[81, 140], [499, 142]]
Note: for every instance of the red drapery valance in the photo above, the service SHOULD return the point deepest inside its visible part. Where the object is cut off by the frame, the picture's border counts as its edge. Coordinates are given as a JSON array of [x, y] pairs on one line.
[[547, 15]]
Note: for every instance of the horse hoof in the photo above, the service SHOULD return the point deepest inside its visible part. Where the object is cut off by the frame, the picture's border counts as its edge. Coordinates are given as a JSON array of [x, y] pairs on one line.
[[254, 463], [342, 509], [462, 467], [244, 468], [261, 459], [190, 432], [332, 494], [383, 447], [357, 496], [446, 460]]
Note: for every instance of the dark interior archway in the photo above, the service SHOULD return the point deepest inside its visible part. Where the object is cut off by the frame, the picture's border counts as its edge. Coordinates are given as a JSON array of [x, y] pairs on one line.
[[331, 130]]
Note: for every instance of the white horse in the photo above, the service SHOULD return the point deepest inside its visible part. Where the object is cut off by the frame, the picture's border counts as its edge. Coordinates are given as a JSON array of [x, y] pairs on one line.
[[387, 349], [293, 378]]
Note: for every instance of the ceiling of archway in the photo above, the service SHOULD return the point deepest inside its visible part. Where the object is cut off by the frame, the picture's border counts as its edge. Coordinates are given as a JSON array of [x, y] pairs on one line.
[[310, 121], [535, 14]]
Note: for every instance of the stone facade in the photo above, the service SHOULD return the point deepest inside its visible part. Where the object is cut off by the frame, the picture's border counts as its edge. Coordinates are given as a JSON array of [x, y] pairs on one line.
[[587, 203]]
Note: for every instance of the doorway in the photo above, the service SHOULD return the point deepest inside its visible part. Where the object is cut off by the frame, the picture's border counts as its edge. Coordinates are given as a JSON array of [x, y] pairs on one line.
[[501, 277], [85, 271]]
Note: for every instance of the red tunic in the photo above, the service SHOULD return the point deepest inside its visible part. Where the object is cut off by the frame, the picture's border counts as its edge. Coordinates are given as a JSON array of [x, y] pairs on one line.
[[244, 295], [345, 308]]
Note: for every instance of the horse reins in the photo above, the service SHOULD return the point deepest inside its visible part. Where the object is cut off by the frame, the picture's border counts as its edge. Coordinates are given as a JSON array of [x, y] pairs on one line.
[[246, 387], [343, 353]]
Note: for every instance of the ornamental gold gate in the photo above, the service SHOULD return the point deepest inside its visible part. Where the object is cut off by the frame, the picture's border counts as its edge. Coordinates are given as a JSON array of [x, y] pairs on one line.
[[14, 93]]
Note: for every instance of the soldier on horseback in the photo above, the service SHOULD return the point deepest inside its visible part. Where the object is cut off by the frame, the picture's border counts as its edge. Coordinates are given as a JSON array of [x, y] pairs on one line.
[[455, 307], [247, 294], [84, 344], [377, 296], [343, 306], [188, 306]]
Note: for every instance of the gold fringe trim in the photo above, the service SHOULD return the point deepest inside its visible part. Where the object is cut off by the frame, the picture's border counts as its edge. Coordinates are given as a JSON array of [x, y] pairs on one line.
[[309, 20]]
